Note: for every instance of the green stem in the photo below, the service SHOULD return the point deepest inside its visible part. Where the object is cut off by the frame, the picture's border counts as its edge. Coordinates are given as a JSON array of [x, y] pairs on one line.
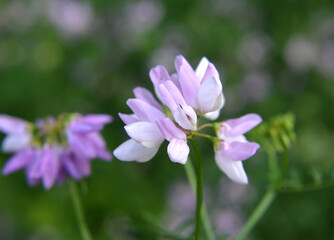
[[199, 187], [257, 213], [205, 216], [85, 235], [285, 165]]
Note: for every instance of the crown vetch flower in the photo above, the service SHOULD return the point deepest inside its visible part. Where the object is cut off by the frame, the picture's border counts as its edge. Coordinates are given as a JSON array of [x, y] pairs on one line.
[[234, 147], [200, 90], [148, 127], [51, 149], [187, 93]]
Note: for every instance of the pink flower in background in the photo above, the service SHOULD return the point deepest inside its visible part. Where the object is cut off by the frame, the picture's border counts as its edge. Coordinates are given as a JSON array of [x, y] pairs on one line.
[[234, 146], [50, 150], [18, 134]]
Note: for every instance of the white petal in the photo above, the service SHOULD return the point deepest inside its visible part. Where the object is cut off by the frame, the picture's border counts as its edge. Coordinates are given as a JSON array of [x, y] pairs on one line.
[[186, 117], [178, 150], [15, 142], [201, 67], [212, 115], [210, 96], [146, 133], [233, 169], [131, 150]]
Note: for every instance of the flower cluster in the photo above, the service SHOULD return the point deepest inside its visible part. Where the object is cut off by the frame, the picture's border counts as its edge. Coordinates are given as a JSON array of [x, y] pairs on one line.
[[189, 94], [51, 149]]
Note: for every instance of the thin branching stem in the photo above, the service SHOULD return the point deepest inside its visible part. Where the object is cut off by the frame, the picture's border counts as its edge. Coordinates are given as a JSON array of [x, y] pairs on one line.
[[257, 214]]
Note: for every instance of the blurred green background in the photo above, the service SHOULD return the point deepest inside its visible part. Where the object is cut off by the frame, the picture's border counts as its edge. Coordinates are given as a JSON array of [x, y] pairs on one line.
[[86, 56]]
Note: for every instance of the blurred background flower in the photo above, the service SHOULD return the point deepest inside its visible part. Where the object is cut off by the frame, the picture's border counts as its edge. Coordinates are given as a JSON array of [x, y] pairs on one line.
[[87, 56]]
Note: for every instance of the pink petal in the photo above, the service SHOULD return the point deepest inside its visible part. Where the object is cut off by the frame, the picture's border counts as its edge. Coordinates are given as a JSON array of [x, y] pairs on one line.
[[100, 146], [188, 80], [240, 151], [81, 145], [10, 124], [128, 118], [18, 161], [97, 119], [233, 169], [147, 96], [175, 80], [75, 166], [158, 75], [50, 166], [144, 111], [178, 150], [211, 71], [170, 95], [239, 126], [189, 84], [169, 130]]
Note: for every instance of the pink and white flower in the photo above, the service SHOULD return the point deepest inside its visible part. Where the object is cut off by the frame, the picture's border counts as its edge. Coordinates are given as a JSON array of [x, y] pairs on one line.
[[148, 127], [234, 147]]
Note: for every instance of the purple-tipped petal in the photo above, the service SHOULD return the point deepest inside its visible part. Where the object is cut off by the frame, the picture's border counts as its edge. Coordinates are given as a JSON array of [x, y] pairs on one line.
[[15, 142], [189, 84], [18, 161], [233, 169], [10, 124], [128, 118], [146, 133], [175, 79], [178, 150], [239, 126], [210, 96], [158, 75], [170, 95], [144, 111], [211, 71], [240, 151], [181, 61], [186, 117], [50, 165], [169, 130], [131, 150], [147, 96], [167, 98]]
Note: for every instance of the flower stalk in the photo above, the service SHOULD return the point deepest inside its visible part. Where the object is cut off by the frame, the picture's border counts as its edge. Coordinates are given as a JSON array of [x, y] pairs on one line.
[[199, 187], [84, 232], [205, 216]]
